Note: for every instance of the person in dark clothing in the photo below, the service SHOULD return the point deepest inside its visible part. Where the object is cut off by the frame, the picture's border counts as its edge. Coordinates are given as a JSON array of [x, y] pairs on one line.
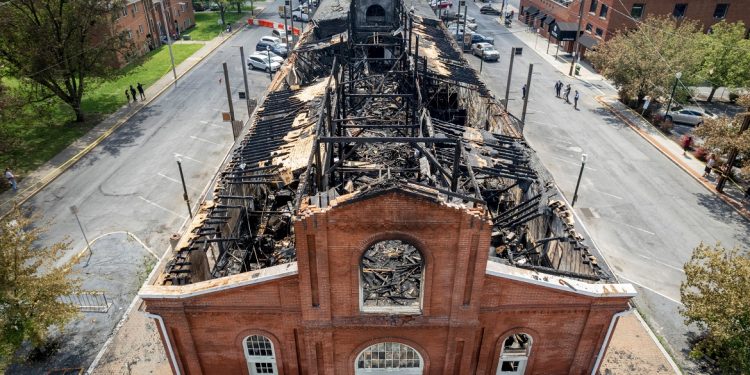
[[132, 93], [747, 194], [127, 95], [575, 100], [523, 92], [558, 88], [140, 91], [687, 141], [567, 94]]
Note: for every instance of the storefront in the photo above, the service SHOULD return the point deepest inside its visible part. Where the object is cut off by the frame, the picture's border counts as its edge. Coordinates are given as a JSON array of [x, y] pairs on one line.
[[564, 33]]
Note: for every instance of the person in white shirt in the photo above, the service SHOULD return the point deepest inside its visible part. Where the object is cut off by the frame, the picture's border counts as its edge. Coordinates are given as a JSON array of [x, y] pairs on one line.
[[11, 179]]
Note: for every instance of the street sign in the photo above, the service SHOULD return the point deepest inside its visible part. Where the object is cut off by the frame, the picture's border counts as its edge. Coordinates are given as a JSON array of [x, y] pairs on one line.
[[242, 94], [519, 50]]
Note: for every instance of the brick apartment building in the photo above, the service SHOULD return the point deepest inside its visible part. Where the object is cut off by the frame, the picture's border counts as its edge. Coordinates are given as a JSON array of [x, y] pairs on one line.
[[381, 216], [142, 21], [557, 20]]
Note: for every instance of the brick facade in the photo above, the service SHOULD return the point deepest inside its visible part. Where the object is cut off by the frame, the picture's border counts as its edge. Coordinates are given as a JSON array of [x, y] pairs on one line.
[[142, 21], [618, 14], [310, 310]]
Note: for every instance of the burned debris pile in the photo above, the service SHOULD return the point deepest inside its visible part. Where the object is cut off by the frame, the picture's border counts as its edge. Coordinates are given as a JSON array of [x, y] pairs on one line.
[[391, 274]]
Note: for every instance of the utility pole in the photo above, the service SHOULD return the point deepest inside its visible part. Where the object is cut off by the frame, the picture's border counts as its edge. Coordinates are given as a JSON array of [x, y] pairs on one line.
[[578, 183], [287, 11], [526, 97], [510, 72], [229, 92], [575, 42], [169, 40], [74, 211], [244, 76], [184, 188], [463, 42], [723, 177]]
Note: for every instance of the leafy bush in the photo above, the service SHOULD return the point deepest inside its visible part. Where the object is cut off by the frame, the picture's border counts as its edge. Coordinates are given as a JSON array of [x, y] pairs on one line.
[[701, 153]]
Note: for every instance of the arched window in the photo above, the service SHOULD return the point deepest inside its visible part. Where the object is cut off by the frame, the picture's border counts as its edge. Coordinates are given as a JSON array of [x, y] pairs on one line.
[[515, 355], [375, 14], [260, 356], [389, 358], [391, 278]]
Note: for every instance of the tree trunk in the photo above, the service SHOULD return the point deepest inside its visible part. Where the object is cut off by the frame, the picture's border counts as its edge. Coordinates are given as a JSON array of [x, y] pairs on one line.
[[221, 11], [239, 8], [79, 113], [711, 95]]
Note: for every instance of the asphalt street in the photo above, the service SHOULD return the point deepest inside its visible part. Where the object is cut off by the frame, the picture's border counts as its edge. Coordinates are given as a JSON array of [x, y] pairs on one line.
[[643, 212], [131, 183]]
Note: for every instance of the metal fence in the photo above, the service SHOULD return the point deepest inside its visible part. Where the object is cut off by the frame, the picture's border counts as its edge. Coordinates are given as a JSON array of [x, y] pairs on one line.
[[92, 301]]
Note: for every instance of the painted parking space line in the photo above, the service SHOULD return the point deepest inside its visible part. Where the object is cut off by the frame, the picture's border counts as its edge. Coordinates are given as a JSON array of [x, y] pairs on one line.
[[633, 227], [205, 140], [162, 207], [651, 290], [607, 194], [181, 156], [175, 181]]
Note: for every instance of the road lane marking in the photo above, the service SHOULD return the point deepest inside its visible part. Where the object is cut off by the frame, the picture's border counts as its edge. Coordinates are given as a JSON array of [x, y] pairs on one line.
[[643, 256], [611, 195], [651, 290], [175, 181], [176, 155], [205, 140], [636, 228], [162, 207], [670, 266]]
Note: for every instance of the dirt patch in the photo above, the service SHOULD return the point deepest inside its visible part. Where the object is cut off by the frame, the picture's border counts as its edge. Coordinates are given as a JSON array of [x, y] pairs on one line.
[[632, 351]]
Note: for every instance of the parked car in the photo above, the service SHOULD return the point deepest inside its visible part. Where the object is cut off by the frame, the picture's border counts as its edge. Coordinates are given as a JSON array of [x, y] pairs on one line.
[[485, 51], [258, 61], [301, 14], [214, 7], [441, 3], [266, 54], [197, 6], [281, 34], [489, 9], [686, 115], [277, 49], [452, 30], [479, 38], [469, 24], [274, 40]]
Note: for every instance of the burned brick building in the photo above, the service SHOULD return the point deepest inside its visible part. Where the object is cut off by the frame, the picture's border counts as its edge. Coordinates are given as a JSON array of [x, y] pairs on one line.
[[382, 215]]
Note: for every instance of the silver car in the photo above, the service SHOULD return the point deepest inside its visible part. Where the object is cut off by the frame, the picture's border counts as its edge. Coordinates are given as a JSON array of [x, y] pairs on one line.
[[257, 61], [687, 115], [485, 51]]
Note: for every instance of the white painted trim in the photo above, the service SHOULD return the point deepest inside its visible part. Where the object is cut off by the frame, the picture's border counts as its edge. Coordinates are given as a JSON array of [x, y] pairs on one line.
[[216, 285], [166, 340], [560, 283], [607, 337]]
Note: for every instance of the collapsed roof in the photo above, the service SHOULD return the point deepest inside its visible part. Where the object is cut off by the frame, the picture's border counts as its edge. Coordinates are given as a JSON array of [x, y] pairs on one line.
[[367, 104]]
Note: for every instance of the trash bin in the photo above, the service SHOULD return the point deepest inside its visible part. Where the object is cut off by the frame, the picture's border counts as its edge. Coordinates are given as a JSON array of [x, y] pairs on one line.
[[578, 70], [186, 37]]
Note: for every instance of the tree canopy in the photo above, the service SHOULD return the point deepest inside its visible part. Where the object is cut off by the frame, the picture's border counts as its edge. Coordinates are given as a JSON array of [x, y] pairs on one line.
[[726, 54], [643, 61], [715, 297], [724, 135], [30, 285], [59, 43]]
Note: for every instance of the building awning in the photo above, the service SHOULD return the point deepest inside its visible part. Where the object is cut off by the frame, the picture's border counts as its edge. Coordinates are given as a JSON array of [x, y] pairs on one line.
[[588, 41], [531, 10], [541, 17], [564, 30], [549, 20]]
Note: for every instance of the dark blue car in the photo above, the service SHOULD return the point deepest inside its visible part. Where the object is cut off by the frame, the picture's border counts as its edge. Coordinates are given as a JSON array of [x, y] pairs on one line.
[[278, 49]]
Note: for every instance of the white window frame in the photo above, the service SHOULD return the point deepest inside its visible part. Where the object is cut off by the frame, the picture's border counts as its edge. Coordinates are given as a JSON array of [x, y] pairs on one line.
[[392, 365], [263, 360], [516, 356]]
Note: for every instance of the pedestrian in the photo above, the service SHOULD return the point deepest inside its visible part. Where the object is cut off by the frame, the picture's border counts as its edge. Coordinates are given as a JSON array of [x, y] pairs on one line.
[[709, 166], [567, 93], [140, 91], [523, 92], [132, 93], [575, 100], [558, 88], [127, 95], [687, 141], [11, 179]]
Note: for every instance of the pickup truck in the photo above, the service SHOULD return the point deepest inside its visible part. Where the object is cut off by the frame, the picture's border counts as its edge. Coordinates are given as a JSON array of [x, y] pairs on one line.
[[298, 14]]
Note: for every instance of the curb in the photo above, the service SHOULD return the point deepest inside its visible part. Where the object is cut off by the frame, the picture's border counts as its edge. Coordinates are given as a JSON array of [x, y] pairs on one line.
[[59, 170], [737, 206]]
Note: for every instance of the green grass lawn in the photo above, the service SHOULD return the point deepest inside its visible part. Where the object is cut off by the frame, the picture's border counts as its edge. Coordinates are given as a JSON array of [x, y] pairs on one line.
[[207, 24], [47, 128]]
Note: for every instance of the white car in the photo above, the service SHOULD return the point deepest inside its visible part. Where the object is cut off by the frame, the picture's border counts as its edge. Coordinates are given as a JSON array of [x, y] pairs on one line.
[[274, 40], [265, 54], [687, 115], [258, 61], [300, 14], [485, 51]]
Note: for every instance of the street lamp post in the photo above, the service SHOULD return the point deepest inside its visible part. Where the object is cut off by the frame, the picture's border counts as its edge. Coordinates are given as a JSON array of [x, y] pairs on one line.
[[184, 188], [578, 183], [169, 40], [268, 54], [674, 87], [74, 211]]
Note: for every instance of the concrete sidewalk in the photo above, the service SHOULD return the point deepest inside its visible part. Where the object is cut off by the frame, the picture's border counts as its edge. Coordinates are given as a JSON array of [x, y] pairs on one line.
[[49, 171]]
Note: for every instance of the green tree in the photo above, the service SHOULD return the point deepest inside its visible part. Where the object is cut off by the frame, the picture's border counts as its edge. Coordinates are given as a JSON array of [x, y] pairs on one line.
[[726, 56], [223, 6], [726, 135], [643, 61], [715, 297], [60, 43], [30, 285]]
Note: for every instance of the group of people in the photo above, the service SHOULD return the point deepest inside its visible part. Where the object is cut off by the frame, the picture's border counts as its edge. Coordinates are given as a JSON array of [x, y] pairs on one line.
[[566, 94], [130, 92]]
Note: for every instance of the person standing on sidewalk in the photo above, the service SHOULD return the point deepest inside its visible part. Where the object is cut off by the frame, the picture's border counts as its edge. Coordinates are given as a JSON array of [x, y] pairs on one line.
[[558, 88], [575, 100], [11, 179], [523, 91], [567, 93], [140, 91], [127, 95], [709, 165], [687, 141], [132, 93]]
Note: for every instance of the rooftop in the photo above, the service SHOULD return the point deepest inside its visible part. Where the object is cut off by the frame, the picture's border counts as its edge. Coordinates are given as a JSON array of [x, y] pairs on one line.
[[360, 107]]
